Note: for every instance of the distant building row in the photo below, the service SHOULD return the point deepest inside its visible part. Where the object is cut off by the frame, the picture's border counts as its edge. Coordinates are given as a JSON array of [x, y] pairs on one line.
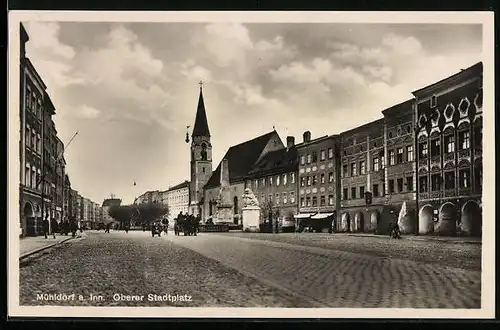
[[45, 187]]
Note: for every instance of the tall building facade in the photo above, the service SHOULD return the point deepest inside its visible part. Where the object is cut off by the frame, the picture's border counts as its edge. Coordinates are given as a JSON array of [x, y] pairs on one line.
[[450, 138], [106, 205], [318, 181], [32, 112], [201, 157]]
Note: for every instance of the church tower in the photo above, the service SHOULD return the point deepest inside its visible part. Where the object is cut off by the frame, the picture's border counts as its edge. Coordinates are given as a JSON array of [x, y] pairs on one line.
[[201, 157]]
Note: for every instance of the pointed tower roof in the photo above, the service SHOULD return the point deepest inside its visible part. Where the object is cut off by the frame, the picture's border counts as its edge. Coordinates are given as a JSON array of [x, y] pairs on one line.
[[201, 122]]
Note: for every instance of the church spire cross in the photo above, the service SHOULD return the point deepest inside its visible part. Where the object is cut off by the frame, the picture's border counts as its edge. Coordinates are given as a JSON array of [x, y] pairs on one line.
[[201, 84]]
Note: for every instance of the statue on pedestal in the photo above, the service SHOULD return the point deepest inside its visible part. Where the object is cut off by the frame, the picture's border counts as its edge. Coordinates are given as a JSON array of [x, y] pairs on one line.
[[249, 198]]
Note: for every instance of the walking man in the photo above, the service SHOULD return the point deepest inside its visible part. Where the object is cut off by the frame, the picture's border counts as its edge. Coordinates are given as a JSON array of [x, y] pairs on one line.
[[54, 225], [45, 227]]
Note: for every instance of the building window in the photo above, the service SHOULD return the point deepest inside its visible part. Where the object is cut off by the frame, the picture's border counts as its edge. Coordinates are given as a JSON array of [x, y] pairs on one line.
[[362, 167], [263, 182], [284, 179], [38, 179], [353, 193], [464, 140], [315, 180], [314, 157], [292, 197], [391, 157], [270, 181], [399, 157], [302, 160], [354, 170], [270, 196], [309, 159], [28, 136], [409, 154], [435, 147], [382, 162], [308, 180], [315, 201], [391, 186], [409, 183], [345, 194], [400, 184], [322, 155], [478, 177], [464, 178], [256, 184], [376, 165], [423, 184], [375, 190], [322, 178], [361, 191], [322, 201], [423, 150], [292, 177], [285, 199], [435, 182], [277, 180], [33, 139], [277, 196], [449, 142], [478, 137], [330, 153], [449, 180], [308, 201], [433, 101], [28, 97], [344, 171], [330, 177], [302, 201], [27, 175], [302, 181], [330, 200]]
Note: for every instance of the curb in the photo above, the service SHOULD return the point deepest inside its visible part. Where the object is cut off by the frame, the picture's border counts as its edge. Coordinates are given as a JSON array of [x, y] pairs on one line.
[[27, 254], [421, 239]]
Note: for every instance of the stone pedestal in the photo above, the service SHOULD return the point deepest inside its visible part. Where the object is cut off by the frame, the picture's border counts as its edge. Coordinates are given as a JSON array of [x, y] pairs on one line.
[[251, 218], [224, 214]]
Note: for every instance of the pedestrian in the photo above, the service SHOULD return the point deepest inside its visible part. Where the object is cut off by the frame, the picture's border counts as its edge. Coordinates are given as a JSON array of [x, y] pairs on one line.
[[45, 227], [108, 226], [54, 225]]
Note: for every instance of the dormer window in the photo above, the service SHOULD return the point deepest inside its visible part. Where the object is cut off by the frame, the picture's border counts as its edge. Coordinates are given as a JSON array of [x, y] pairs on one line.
[[433, 101]]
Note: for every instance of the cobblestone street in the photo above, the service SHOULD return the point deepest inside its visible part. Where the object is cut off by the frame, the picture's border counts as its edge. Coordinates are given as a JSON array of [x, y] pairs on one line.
[[257, 270]]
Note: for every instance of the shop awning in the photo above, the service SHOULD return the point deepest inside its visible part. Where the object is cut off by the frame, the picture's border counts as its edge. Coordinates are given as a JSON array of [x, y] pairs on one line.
[[321, 215], [303, 215]]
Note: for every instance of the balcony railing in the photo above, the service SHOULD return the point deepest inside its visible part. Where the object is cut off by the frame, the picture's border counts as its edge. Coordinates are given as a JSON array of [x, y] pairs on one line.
[[464, 153], [464, 191], [422, 161], [436, 194], [449, 156], [450, 192]]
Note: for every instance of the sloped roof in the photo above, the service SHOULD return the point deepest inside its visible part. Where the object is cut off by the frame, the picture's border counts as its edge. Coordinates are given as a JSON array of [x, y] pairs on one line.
[[241, 159], [179, 186], [277, 161], [111, 202], [201, 123]]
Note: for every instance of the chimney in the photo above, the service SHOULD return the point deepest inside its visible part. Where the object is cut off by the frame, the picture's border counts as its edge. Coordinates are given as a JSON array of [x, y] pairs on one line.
[[307, 136], [290, 141]]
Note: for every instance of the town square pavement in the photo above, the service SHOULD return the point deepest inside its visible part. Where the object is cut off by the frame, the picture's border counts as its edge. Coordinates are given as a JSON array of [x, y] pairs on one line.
[[254, 270]]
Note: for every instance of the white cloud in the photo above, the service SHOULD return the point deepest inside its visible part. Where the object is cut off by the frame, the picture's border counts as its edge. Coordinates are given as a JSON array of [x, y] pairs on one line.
[[88, 112], [44, 37]]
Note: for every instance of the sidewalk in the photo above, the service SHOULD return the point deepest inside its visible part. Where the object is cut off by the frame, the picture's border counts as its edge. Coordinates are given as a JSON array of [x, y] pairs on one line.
[[459, 240], [31, 245]]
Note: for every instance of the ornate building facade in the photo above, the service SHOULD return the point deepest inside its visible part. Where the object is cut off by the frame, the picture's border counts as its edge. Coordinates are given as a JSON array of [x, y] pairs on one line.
[[449, 158]]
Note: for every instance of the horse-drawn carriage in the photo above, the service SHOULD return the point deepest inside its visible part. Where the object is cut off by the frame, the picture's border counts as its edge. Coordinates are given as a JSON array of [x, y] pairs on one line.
[[187, 225], [156, 229]]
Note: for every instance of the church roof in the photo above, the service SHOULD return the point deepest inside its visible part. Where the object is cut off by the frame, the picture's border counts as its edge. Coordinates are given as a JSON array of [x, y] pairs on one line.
[[111, 202], [241, 159], [277, 161], [201, 122]]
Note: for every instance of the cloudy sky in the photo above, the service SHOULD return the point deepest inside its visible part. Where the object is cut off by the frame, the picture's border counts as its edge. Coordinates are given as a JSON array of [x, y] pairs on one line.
[[130, 90]]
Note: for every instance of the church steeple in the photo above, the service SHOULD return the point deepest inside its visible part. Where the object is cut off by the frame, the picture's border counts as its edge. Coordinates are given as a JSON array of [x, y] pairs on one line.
[[201, 122]]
